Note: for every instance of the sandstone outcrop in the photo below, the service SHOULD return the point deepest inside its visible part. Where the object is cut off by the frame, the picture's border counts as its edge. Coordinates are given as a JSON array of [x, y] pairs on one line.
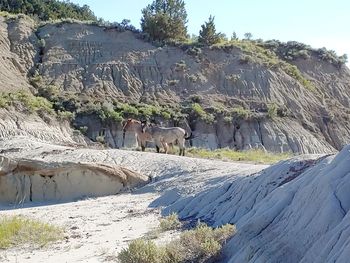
[[28, 180]]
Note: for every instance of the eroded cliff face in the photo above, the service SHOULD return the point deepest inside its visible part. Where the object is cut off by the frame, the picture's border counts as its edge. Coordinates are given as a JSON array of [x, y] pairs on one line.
[[113, 65], [17, 53]]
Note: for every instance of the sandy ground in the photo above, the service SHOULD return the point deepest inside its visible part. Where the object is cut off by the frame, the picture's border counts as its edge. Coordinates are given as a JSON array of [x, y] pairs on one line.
[[96, 229]]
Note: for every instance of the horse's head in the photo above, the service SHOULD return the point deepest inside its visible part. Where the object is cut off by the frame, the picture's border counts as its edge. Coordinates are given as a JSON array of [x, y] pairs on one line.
[[144, 124], [128, 124]]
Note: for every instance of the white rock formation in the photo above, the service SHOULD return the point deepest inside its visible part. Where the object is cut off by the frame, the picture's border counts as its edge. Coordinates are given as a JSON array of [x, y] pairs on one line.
[[295, 211], [25, 180]]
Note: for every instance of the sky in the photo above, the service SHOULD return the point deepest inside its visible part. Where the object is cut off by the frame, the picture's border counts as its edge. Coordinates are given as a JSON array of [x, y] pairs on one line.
[[319, 23]]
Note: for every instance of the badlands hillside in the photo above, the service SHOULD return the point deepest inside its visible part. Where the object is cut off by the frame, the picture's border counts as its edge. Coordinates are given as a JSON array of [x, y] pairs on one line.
[[282, 97], [67, 84]]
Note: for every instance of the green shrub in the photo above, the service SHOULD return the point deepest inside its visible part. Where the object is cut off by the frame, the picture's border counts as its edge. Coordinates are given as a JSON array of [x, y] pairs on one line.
[[165, 114], [127, 109], [170, 222], [83, 129], [106, 114], [41, 43], [228, 119], [193, 78], [3, 102], [45, 10], [240, 112], [50, 92], [272, 110], [65, 115], [196, 245], [26, 100], [142, 251], [198, 110], [202, 114], [148, 111], [100, 139]]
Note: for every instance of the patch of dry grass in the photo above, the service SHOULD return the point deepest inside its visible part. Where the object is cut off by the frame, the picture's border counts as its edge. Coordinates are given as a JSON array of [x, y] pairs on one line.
[[195, 245], [170, 222], [16, 231], [256, 156]]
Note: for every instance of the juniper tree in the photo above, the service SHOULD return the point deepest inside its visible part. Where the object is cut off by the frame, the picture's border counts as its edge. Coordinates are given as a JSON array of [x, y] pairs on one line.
[[208, 35], [165, 19]]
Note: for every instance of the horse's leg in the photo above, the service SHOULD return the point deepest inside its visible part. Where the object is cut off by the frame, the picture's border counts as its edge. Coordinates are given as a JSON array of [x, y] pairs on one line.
[[143, 147], [165, 146], [157, 148], [138, 141], [182, 147]]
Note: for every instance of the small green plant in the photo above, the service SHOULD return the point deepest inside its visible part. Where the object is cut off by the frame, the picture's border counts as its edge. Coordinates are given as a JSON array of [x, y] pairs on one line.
[[198, 110], [106, 114], [65, 115], [170, 222], [142, 251], [165, 114], [41, 43], [100, 139], [83, 129], [193, 78], [16, 231], [272, 110], [228, 119], [202, 114], [127, 109], [240, 112]]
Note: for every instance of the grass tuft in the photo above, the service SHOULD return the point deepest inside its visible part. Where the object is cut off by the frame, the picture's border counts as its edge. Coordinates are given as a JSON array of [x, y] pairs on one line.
[[256, 156], [17, 231], [170, 222], [196, 245]]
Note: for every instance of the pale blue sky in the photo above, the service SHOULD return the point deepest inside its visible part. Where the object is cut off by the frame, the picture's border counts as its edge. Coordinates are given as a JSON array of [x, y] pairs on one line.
[[319, 23]]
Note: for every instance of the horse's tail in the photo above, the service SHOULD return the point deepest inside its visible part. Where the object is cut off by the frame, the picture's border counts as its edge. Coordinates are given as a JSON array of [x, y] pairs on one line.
[[123, 139], [188, 137]]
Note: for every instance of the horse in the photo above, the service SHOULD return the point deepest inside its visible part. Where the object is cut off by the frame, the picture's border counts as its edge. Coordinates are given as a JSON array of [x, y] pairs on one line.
[[136, 126], [163, 136]]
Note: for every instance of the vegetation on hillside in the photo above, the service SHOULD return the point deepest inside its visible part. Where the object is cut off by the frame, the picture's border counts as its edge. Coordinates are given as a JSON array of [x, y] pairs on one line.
[[48, 10], [63, 103], [25, 101], [17, 231], [208, 35], [165, 20]]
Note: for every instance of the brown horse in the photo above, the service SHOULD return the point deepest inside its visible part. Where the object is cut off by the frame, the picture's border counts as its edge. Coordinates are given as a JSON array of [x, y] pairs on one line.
[[136, 126]]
